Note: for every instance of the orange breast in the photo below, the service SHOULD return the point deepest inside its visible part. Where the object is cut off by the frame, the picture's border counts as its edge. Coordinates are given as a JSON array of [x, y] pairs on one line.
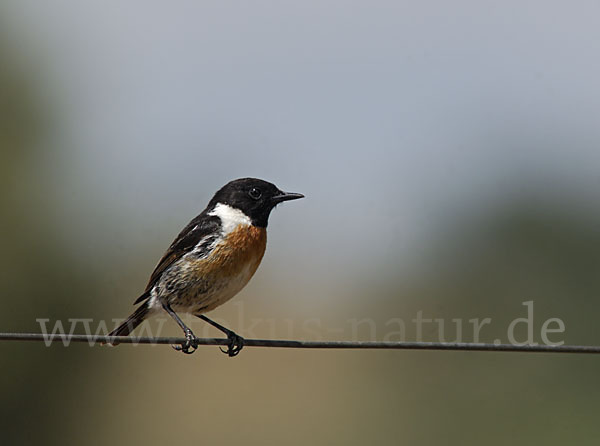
[[227, 270], [213, 280], [241, 250]]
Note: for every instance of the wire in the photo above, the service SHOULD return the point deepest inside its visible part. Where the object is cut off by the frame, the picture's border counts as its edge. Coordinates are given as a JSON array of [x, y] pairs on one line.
[[460, 346]]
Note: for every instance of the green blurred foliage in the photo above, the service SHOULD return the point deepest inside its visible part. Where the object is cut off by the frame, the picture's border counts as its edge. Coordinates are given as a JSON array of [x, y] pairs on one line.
[[38, 280]]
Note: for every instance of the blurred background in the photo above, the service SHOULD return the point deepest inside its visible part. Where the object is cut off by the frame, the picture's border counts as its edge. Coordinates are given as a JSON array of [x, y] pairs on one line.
[[450, 157]]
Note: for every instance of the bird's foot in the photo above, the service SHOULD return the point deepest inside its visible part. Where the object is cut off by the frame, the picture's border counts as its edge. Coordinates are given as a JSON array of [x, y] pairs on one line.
[[190, 345], [235, 345]]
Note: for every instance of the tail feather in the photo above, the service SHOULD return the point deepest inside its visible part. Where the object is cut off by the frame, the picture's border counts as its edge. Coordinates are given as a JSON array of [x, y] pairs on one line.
[[131, 323]]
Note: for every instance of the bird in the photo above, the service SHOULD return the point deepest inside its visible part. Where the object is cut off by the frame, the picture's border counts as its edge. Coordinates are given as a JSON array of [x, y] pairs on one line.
[[210, 260]]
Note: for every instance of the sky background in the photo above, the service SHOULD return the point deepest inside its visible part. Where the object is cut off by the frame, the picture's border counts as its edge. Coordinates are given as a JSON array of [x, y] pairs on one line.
[[449, 154]]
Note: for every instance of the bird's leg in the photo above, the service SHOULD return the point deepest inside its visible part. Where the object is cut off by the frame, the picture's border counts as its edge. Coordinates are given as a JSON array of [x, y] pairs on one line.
[[236, 342], [190, 339]]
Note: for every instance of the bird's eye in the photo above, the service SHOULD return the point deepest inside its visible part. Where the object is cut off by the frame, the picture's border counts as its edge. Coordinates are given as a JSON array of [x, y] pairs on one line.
[[255, 193]]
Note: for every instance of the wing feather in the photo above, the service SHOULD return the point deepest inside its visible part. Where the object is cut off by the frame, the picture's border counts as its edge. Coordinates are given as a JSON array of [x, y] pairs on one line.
[[200, 227]]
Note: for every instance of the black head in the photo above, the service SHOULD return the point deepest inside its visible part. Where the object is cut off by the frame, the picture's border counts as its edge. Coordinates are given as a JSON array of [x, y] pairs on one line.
[[255, 198]]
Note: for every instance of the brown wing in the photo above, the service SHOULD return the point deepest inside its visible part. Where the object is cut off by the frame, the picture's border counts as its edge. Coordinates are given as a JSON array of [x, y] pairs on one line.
[[201, 227]]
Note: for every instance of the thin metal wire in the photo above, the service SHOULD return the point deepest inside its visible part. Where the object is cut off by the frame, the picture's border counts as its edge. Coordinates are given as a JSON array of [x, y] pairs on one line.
[[461, 346]]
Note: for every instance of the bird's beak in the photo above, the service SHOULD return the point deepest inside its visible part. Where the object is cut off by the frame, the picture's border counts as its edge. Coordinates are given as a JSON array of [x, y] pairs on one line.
[[286, 196]]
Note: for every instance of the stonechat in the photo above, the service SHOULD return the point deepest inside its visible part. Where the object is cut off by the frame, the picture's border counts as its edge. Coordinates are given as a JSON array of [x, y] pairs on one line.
[[211, 260]]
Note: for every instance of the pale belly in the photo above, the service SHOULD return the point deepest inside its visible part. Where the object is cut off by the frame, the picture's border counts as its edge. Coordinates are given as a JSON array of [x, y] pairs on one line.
[[221, 291]]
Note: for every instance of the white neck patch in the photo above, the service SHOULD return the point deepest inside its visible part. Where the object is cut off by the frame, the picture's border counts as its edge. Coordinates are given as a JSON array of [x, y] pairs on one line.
[[230, 217]]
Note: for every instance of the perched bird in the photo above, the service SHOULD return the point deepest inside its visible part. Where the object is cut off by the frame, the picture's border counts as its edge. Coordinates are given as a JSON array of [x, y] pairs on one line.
[[211, 260]]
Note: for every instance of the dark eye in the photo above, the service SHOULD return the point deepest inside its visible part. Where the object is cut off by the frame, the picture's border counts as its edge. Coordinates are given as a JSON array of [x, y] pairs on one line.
[[255, 193]]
